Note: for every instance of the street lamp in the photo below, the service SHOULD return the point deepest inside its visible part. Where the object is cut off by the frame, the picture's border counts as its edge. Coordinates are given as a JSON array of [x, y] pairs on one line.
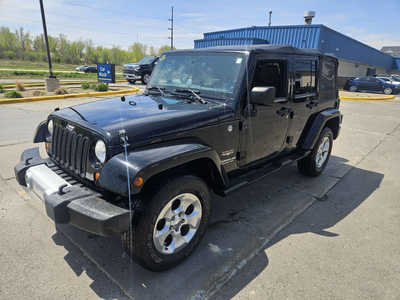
[[51, 82]]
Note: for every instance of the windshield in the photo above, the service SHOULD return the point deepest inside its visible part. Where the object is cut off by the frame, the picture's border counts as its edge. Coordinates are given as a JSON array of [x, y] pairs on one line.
[[204, 72], [146, 60]]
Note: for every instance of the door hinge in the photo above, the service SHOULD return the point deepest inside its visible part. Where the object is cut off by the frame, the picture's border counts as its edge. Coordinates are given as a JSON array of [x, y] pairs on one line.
[[240, 155]]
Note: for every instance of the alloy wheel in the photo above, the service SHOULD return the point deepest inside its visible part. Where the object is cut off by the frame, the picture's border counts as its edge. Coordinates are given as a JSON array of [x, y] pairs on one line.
[[177, 223]]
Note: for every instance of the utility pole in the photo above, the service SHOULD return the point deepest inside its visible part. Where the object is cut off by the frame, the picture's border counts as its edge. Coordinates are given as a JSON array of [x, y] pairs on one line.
[[46, 39], [270, 17], [52, 82], [172, 28]]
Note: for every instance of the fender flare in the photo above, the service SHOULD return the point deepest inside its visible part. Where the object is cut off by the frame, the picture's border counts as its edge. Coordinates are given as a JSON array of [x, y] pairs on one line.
[[319, 122], [40, 133], [147, 163]]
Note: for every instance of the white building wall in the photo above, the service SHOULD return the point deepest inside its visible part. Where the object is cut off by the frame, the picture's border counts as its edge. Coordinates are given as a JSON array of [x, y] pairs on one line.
[[353, 69]]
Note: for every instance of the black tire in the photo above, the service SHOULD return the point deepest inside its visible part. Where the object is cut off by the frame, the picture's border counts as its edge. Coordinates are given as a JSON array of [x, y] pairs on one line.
[[353, 88], [145, 79], [132, 81], [308, 166], [388, 91], [140, 244]]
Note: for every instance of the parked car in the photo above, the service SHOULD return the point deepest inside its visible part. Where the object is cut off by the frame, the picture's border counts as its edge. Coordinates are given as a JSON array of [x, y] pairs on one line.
[[140, 70], [389, 79], [80, 68], [87, 69], [372, 85], [393, 78], [143, 167]]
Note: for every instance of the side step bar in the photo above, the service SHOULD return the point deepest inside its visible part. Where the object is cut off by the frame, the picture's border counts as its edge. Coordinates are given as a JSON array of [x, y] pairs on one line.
[[256, 174]]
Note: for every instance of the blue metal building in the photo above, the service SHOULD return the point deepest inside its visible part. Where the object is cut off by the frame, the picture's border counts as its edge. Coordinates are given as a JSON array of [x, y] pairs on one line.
[[356, 58]]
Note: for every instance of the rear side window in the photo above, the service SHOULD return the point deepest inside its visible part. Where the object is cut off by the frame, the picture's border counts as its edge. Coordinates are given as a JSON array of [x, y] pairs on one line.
[[305, 72], [328, 73]]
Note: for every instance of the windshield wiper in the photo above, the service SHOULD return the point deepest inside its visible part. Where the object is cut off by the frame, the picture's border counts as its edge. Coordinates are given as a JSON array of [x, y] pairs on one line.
[[156, 88], [194, 93]]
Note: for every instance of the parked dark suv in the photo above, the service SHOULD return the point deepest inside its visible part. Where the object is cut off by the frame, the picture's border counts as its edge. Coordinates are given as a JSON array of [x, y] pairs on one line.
[[140, 70], [372, 85], [143, 167]]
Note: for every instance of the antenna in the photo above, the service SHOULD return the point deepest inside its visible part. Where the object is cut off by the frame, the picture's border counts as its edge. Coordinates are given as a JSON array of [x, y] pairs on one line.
[[270, 17], [172, 28]]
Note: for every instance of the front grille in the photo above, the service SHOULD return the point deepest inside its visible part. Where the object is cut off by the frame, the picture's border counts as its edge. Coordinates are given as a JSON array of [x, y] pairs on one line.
[[128, 71], [70, 150]]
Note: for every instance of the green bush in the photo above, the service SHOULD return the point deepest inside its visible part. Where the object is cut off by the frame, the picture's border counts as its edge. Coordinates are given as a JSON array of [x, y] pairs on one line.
[[92, 86], [1, 89], [60, 91], [101, 87], [85, 85], [13, 94]]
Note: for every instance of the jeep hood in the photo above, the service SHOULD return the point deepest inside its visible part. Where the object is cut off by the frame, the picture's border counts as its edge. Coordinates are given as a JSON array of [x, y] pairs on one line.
[[143, 117]]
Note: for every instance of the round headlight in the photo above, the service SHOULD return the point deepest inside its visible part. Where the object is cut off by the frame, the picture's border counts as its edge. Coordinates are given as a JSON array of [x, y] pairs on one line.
[[50, 127], [100, 151]]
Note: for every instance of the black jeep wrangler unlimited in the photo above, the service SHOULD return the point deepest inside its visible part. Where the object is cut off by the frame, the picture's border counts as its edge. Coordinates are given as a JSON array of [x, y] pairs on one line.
[[142, 167]]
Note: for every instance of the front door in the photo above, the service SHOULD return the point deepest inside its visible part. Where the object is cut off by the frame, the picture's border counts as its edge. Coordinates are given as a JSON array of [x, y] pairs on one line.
[[265, 126]]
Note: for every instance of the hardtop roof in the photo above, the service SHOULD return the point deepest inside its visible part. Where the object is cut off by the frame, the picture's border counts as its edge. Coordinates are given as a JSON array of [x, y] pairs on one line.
[[284, 49]]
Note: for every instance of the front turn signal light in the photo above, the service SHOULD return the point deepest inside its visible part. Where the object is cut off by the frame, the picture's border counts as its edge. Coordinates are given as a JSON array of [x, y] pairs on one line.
[[96, 176], [47, 147], [138, 182]]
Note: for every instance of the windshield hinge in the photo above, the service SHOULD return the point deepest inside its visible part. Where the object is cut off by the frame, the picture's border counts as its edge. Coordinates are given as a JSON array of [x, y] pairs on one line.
[[123, 138]]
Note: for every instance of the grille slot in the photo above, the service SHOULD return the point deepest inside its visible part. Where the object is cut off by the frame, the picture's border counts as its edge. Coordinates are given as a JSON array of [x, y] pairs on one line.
[[70, 150]]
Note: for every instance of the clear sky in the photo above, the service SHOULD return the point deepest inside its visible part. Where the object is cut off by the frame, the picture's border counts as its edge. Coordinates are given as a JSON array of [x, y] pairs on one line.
[[122, 22]]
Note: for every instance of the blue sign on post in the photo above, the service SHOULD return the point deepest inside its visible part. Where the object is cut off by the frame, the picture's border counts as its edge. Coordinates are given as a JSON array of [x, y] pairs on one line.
[[106, 73]]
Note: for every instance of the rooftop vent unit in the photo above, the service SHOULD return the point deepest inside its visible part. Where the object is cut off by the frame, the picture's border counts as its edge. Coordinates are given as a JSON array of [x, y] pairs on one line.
[[308, 16]]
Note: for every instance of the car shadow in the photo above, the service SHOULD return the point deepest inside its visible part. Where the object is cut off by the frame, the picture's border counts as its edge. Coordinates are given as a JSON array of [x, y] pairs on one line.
[[242, 226], [355, 187]]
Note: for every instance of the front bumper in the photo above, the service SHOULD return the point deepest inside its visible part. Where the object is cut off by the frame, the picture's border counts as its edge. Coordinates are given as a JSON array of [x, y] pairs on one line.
[[67, 203], [130, 76]]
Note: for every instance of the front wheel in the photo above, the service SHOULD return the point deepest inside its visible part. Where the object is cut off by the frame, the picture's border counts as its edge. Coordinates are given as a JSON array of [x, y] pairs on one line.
[[146, 78], [173, 223], [316, 161], [388, 91], [353, 88]]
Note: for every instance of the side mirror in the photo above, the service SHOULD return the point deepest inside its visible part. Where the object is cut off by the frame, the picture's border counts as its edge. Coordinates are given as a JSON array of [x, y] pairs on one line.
[[262, 95]]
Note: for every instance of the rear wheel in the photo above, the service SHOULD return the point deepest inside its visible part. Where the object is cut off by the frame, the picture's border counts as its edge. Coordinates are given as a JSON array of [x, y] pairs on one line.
[[174, 220], [316, 161]]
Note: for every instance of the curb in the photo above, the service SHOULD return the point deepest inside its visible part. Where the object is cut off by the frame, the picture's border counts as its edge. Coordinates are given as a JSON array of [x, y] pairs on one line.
[[380, 98], [56, 97], [10, 86]]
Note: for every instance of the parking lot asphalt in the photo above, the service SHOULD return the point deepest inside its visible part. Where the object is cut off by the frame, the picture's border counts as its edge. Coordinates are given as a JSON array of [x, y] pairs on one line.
[[287, 236]]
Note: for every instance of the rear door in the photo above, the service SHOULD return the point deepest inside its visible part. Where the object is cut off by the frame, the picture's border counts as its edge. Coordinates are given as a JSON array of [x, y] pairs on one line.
[[304, 94]]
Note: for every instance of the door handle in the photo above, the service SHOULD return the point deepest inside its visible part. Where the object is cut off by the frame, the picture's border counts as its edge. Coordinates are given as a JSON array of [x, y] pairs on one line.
[[283, 112], [312, 104]]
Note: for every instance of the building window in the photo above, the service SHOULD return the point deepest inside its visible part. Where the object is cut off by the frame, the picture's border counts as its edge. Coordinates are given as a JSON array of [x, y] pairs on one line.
[[305, 72]]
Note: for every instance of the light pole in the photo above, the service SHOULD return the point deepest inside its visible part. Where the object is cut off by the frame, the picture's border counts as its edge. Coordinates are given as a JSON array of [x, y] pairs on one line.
[[46, 38], [51, 82], [270, 17]]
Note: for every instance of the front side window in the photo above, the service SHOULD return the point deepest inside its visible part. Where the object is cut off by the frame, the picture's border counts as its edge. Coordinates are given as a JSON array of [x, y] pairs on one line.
[[305, 72], [218, 73]]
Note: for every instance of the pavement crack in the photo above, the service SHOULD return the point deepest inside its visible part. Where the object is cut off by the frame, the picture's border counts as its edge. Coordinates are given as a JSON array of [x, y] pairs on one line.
[[16, 143]]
